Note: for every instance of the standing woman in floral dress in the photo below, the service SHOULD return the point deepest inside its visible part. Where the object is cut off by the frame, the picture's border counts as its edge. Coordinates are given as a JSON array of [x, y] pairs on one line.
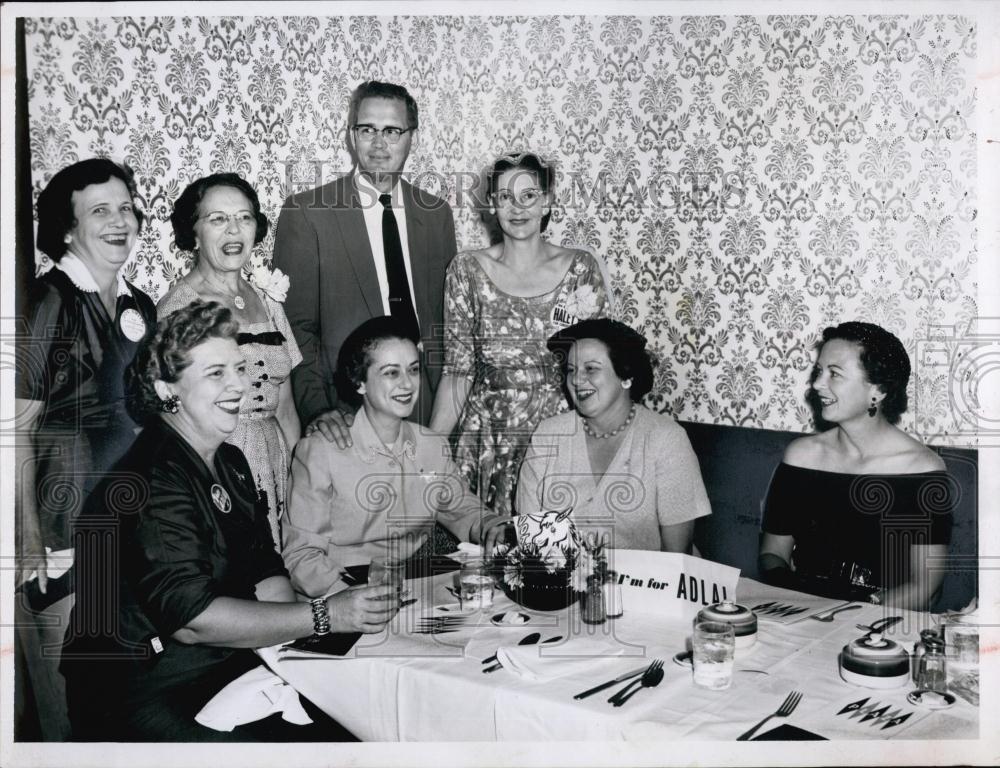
[[218, 218], [501, 305]]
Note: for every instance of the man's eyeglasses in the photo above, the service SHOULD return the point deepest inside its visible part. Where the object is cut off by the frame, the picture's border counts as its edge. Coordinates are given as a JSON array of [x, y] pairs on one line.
[[220, 220], [391, 134], [525, 199]]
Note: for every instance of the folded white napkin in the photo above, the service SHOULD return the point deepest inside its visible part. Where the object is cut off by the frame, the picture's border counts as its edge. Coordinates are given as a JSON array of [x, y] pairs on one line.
[[551, 660], [56, 563], [251, 697]]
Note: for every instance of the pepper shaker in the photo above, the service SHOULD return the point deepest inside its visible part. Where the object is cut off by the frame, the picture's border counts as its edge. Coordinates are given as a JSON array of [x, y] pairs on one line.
[[593, 605]]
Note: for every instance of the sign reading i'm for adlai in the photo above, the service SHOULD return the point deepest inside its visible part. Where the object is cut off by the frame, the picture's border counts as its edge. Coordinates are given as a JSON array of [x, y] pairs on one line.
[[670, 584]]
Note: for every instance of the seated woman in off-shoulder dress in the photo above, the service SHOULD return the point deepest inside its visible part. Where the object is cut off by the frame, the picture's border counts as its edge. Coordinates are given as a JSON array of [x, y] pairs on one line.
[[862, 510], [629, 473]]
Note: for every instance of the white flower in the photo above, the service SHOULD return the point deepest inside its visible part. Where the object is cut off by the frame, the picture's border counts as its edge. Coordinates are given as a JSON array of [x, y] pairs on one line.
[[582, 302], [273, 283]]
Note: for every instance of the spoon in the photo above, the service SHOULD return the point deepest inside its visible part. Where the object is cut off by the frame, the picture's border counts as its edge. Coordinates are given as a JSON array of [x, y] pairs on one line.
[[881, 625], [535, 635], [834, 612], [531, 639]]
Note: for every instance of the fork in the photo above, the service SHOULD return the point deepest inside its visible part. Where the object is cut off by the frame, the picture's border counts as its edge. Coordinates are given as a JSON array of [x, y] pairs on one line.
[[828, 615], [635, 684], [787, 707], [650, 679]]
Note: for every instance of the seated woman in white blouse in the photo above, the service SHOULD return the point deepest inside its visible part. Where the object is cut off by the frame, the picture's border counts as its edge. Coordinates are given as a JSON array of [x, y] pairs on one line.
[[382, 495], [626, 471]]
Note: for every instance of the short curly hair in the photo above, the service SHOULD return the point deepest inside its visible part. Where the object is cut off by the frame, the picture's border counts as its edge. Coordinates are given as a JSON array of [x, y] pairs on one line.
[[185, 212], [355, 355], [543, 171], [55, 203], [164, 355], [626, 350], [884, 360]]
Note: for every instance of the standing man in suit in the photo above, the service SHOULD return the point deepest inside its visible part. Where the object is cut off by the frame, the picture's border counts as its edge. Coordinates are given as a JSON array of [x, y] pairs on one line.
[[365, 245]]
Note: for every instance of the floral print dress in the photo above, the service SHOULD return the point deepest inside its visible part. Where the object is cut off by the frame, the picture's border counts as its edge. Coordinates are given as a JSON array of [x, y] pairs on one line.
[[497, 341], [270, 352]]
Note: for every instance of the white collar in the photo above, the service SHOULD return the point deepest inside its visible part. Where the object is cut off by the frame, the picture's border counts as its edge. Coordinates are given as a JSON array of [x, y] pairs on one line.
[[80, 275], [370, 192]]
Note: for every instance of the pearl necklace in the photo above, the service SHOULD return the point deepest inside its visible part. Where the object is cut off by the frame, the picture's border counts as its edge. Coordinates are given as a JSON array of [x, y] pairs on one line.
[[238, 300], [624, 425]]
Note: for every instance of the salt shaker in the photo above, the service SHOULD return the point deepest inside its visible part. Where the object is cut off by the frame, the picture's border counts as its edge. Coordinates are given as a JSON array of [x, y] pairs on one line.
[[920, 648], [613, 596], [931, 666], [593, 604]]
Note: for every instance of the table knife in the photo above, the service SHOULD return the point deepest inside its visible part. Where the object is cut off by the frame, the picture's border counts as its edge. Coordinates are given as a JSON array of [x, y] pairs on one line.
[[619, 679]]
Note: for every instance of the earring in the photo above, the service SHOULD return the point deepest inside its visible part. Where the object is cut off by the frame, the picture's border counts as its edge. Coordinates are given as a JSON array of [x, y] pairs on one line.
[[627, 384], [873, 408], [171, 405], [68, 239]]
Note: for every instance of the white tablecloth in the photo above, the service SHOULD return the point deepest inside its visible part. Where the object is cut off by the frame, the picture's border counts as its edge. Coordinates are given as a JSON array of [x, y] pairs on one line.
[[398, 686]]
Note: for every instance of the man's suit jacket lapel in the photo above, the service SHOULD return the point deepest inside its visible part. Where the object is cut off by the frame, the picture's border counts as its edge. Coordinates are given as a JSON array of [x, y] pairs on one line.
[[416, 235], [359, 249]]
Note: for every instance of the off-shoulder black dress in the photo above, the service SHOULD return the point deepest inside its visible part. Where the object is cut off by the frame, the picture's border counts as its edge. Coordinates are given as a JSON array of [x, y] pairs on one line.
[[853, 533]]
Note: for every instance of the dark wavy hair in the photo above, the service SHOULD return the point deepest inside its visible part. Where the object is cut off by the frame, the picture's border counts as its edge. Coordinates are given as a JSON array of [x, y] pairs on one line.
[[356, 353], [883, 358], [527, 161], [375, 89], [185, 212], [626, 350], [164, 355], [55, 203]]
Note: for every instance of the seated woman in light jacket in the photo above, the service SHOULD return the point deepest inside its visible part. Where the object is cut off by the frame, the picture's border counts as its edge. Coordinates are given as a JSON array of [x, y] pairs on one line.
[[382, 495], [628, 473]]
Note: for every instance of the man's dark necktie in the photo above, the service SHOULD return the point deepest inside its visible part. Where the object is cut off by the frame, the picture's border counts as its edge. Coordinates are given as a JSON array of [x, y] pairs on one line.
[[400, 303]]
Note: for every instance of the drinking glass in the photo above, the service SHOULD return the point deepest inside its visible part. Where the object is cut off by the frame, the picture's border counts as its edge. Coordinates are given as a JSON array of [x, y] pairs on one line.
[[714, 647], [475, 585], [386, 570], [961, 640]]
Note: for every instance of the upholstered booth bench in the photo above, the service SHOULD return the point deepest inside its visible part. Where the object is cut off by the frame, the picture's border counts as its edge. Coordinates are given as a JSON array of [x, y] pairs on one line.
[[737, 463]]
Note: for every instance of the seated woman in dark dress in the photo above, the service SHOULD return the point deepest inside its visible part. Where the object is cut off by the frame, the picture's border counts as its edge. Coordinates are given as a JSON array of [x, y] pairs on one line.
[[862, 510], [177, 576]]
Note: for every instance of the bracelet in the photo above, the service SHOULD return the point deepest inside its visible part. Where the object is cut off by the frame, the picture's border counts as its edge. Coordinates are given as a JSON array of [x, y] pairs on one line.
[[321, 616]]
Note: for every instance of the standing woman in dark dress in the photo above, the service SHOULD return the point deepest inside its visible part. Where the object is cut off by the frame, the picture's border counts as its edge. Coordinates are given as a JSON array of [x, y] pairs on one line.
[[85, 324], [861, 510], [177, 575]]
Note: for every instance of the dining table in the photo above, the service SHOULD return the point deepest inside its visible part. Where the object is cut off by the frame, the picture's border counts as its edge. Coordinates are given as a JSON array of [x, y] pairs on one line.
[[423, 680]]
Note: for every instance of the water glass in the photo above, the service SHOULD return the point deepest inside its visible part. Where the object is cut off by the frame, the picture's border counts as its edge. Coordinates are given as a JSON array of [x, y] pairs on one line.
[[386, 570], [962, 647], [475, 585], [714, 653]]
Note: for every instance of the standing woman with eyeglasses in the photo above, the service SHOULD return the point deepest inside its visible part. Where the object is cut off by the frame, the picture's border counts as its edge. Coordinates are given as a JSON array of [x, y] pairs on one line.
[[218, 219], [501, 305]]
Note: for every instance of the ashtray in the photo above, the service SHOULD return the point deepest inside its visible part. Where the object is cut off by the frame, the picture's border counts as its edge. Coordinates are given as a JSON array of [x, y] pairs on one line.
[[510, 619], [684, 658], [931, 699]]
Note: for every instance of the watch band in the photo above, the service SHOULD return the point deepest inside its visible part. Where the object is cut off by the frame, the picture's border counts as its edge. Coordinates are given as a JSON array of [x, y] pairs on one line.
[[321, 616]]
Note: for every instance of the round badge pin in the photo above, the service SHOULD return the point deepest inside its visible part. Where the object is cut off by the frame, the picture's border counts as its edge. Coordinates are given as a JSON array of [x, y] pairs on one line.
[[133, 326], [221, 498]]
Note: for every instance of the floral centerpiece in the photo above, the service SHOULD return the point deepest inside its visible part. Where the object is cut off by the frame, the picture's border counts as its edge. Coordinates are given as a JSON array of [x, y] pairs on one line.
[[549, 566]]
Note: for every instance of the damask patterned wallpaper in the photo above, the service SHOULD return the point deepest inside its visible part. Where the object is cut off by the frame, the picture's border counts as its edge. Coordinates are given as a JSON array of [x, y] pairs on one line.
[[748, 180]]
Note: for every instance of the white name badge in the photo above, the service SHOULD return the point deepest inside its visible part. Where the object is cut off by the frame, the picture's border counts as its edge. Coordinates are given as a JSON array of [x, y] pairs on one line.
[[670, 584], [132, 324]]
